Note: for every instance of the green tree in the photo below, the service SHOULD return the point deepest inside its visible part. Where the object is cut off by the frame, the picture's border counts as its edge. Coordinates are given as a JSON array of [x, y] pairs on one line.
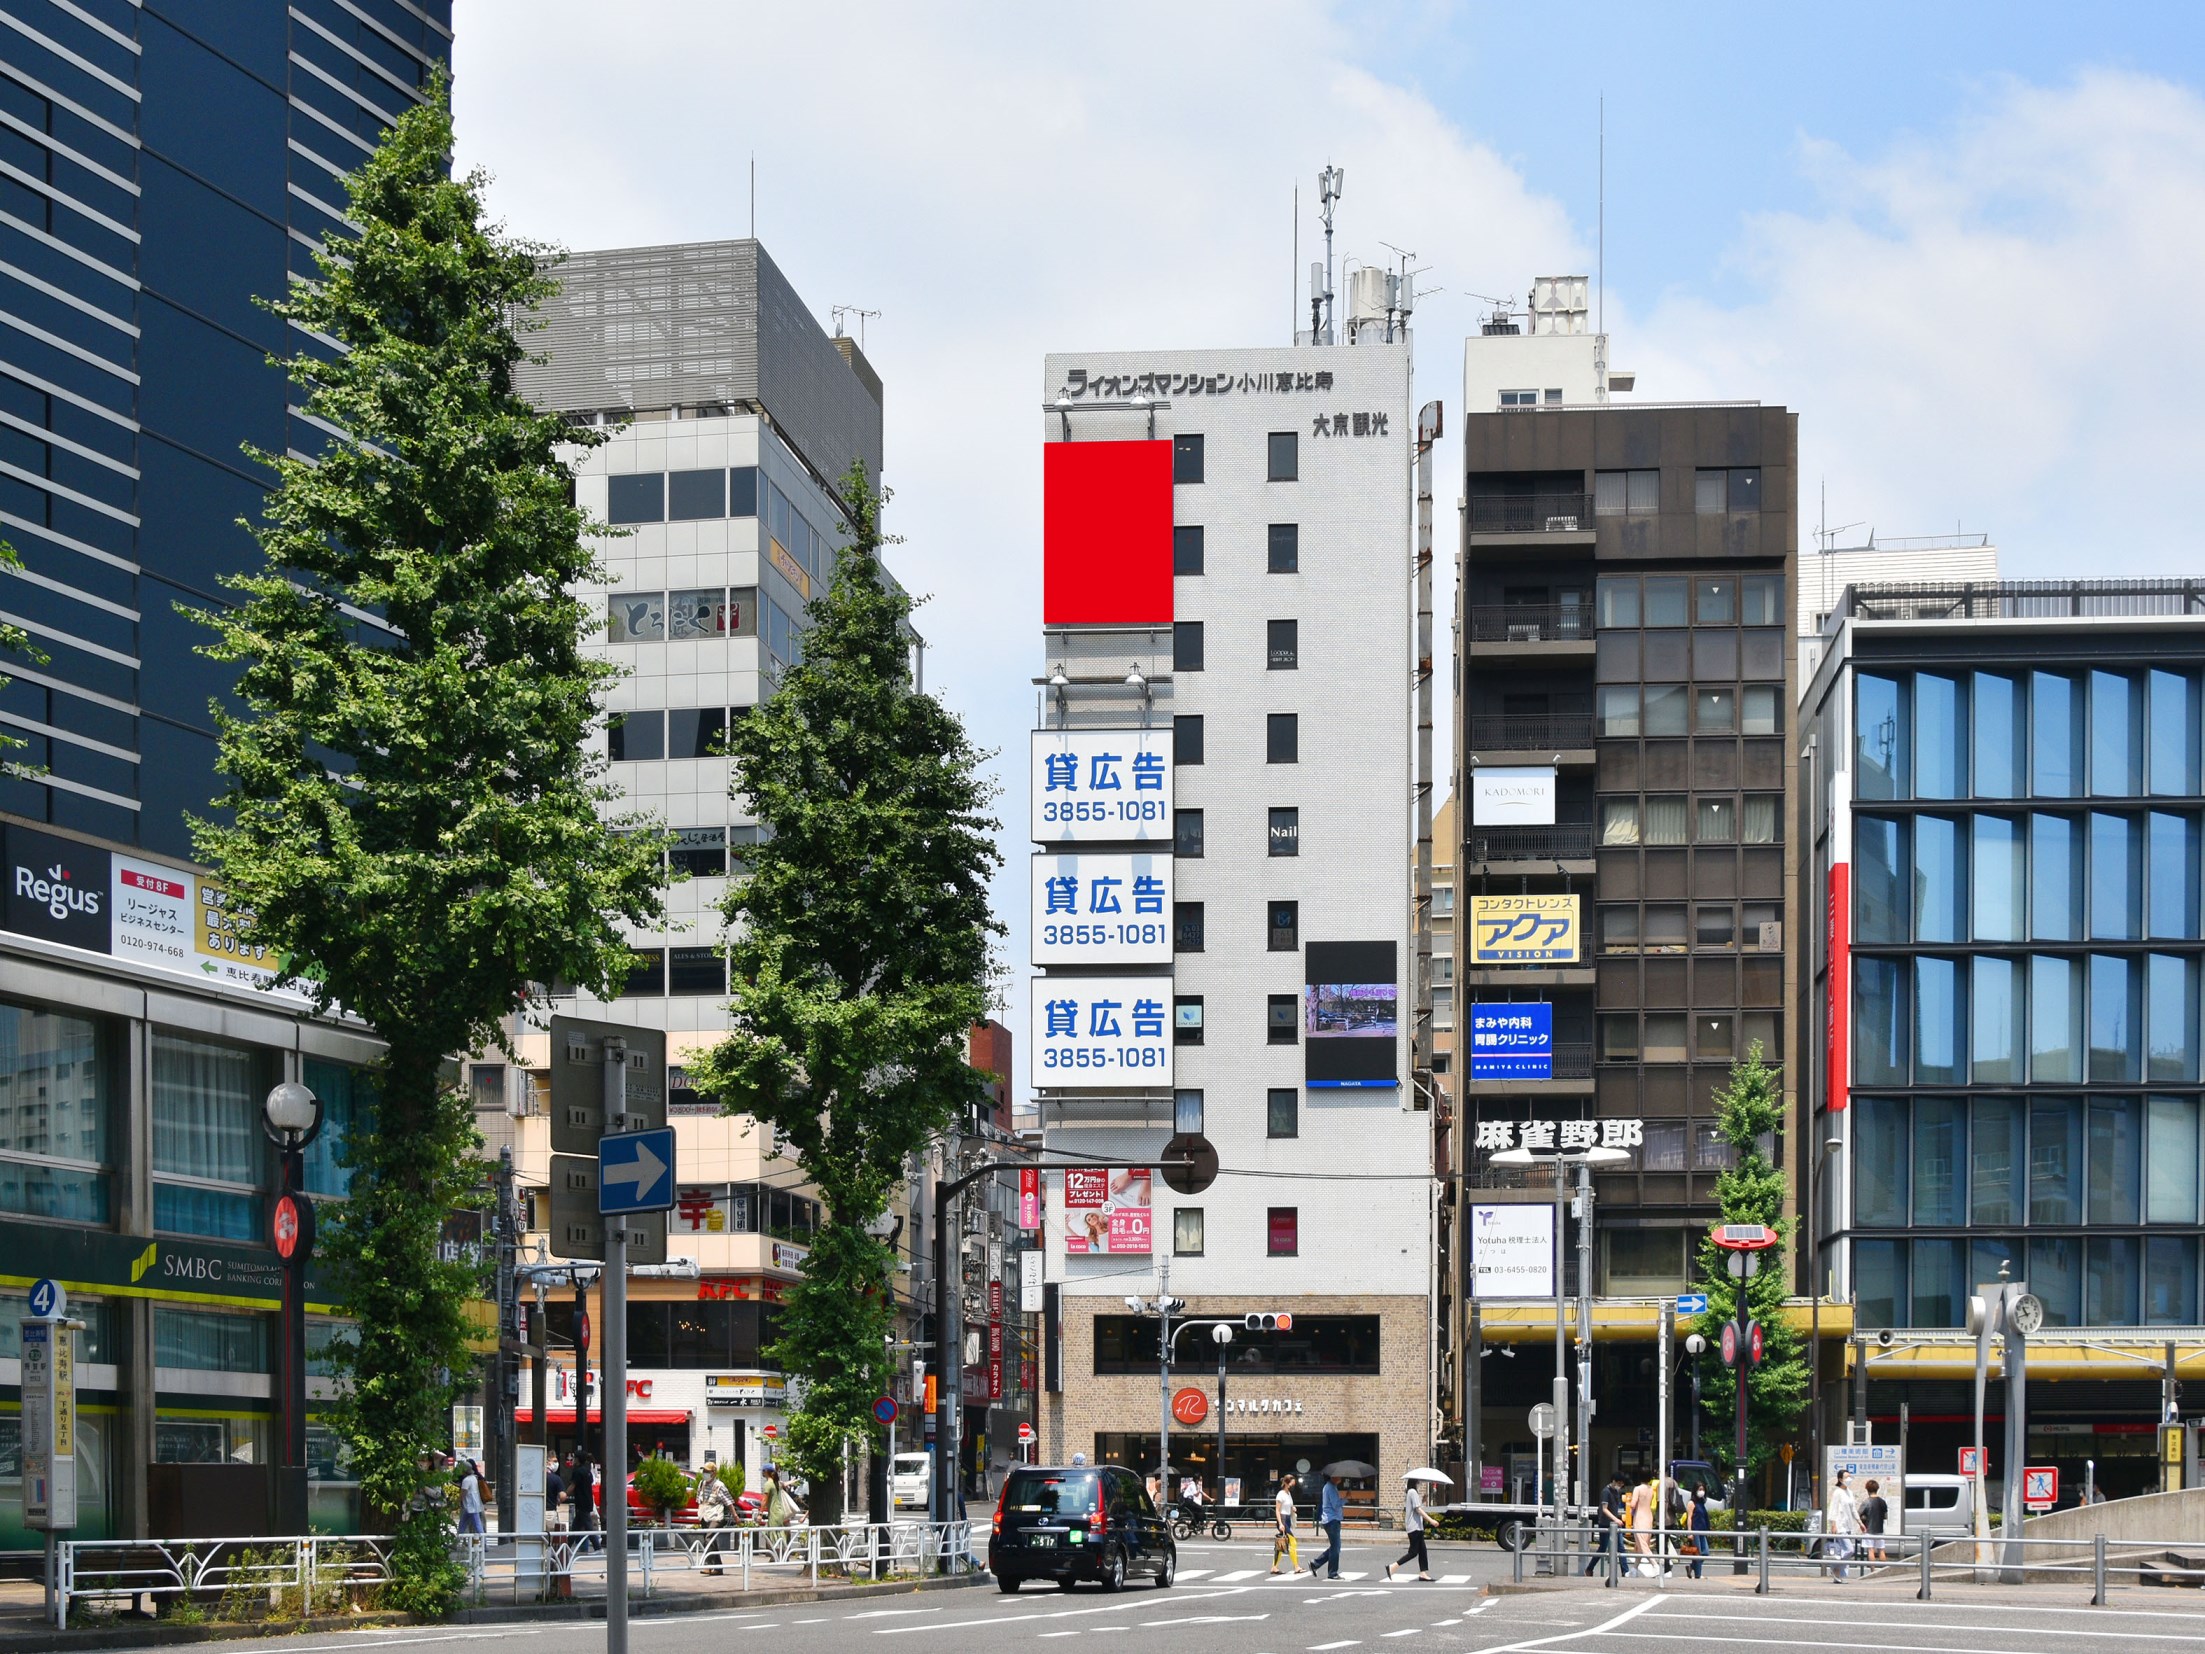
[[859, 954], [413, 823], [1750, 1112]]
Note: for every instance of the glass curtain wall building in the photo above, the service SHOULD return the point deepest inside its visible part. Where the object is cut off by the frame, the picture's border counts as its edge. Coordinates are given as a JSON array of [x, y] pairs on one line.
[[2012, 777]]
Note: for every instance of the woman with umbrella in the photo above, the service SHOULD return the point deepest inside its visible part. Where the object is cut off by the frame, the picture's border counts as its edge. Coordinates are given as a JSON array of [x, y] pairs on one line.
[[1412, 1518]]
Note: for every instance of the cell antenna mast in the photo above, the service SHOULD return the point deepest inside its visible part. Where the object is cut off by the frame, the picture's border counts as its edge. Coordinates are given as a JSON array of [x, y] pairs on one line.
[[841, 310], [1294, 273], [1331, 184], [754, 195], [1600, 268]]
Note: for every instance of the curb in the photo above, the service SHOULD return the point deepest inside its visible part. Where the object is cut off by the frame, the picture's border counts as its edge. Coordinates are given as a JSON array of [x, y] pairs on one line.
[[150, 1633]]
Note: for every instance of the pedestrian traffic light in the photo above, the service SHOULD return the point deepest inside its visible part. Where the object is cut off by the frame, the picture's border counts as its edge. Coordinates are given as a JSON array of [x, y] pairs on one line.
[[1268, 1322]]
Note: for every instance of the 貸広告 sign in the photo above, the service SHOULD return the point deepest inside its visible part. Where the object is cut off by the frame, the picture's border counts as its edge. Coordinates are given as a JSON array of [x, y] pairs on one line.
[[1101, 786], [1101, 1031], [1111, 908]]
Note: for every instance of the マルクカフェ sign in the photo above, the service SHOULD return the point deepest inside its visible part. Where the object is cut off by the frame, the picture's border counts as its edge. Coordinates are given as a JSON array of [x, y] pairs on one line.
[[1102, 909], [1101, 1031], [1512, 1251], [1560, 1135], [1271, 1406], [1512, 1042], [1523, 930], [1512, 795], [1100, 786]]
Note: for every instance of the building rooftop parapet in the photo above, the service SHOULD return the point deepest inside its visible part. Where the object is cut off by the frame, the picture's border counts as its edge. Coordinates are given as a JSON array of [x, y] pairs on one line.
[[2019, 600]]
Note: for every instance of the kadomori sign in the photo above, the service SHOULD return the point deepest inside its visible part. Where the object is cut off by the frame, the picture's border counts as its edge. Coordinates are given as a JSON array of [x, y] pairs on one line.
[[1512, 795], [1107, 1210], [1100, 786]]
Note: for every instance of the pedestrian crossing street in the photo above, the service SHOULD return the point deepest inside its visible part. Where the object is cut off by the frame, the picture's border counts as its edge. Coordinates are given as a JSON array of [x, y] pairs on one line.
[[1238, 1576]]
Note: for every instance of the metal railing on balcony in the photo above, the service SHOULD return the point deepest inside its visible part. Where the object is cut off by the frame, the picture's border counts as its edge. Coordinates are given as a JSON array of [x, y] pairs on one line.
[[1564, 841], [1565, 513], [1530, 732], [2020, 599], [1531, 623]]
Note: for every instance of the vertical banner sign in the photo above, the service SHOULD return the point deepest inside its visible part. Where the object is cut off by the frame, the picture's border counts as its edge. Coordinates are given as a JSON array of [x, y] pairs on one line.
[[49, 1444], [1512, 1251], [1837, 1086], [995, 1340], [1029, 1283], [1029, 1198]]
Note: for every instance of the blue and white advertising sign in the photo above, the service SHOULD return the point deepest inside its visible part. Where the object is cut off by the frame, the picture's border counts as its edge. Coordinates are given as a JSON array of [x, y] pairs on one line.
[[1101, 786], [1101, 1031], [1512, 1042], [1108, 909]]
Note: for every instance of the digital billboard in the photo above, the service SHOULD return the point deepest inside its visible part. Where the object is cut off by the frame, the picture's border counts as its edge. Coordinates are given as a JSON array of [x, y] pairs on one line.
[[1351, 1014]]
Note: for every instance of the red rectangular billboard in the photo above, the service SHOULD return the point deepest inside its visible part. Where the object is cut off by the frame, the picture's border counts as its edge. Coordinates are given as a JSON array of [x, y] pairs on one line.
[[1837, 1084], [1106, 534]]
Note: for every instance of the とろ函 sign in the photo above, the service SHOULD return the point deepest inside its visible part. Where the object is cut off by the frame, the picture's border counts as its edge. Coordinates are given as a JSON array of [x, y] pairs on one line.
[[1106, 909], [1524, 930], [1100, 786], [1560, 1136], [1512, 1042]]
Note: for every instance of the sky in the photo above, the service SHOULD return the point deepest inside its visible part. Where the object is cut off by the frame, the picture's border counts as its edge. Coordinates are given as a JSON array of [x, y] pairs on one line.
[[1963, 242]]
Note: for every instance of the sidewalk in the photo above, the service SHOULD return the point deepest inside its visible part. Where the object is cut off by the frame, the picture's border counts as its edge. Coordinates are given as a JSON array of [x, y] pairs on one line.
[[23, 1629]]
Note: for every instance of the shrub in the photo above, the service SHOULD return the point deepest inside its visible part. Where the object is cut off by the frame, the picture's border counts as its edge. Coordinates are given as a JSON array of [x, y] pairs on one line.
[[660, 1484]]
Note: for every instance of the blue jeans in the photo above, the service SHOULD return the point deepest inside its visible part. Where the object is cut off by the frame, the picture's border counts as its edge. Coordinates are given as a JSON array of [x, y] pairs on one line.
[[1332, 1550]]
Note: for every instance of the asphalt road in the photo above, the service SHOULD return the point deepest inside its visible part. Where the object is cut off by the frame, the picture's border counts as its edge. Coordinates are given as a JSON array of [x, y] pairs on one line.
[[1221, 1607]]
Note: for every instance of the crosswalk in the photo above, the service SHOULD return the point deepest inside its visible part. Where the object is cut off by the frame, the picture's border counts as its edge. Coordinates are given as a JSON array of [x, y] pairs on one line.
[[1237, 1576]]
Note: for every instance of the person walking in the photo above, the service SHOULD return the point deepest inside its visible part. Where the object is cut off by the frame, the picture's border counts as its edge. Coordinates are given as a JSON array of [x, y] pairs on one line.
[[1873, 1513], [1638, 1516], [470, 1498], [1412, 1518], [1608, 1524], [1282, 1541], [1331, 1511], [1841, 1524], [1702, 1528], [555, 1492], [715, 1509]]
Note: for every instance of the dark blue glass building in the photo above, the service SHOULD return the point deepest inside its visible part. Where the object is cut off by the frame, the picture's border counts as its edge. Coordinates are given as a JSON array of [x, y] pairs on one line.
[[163, 165]]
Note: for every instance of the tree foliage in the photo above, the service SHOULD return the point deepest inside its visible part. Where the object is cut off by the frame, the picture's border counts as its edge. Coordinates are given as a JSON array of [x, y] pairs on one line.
[[1750, 1112], [859, 955], [412, 822]]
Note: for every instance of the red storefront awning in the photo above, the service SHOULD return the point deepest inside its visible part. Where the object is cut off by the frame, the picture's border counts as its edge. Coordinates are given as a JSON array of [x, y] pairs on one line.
[[636, 1415]]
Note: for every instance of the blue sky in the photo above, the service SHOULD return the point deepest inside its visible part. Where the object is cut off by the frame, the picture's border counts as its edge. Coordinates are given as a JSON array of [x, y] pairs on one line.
[[1964, 243]]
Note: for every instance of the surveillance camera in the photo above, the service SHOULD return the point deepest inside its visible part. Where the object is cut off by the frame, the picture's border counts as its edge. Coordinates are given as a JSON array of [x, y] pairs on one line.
[[1134, 1304]]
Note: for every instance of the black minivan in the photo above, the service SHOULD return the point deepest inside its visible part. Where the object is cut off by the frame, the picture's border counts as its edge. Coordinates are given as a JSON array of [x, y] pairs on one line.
[[1079, 1522]]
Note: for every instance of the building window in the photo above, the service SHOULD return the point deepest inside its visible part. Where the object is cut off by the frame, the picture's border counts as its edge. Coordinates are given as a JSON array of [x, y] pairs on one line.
[[635, 617], [57, 1082], [1619, 930], [1617, 600], [1619, 822], [640, 498], [1665, 820], [1762, 821], [1713, 927], [700, 852], [1665, 1031], [1715, 492], [207, 1135], [1282, 738], [696, 496], [1186, 459], [1186, 833], [1186, 550], [1282, 1022], [1618, 714], [1286, 832], [742, 491], [1283, 1231], [1666, 707], [1286, 548], [1616, 493], [1186, 1113], [1282, 1112], [1619, 1038], [1186, 738], [1283, 645], [1665, 600], [1186, 1231], [1718, 823], [1284, 926], [1186, 646], [1715, 602], [696, 731], [646, 974], [1284, 449], [697, 971], [1715, 711], [1186, 927], [1519, 399], [1186, 1019], [1763, 600], [1764, 710], [632, 737]]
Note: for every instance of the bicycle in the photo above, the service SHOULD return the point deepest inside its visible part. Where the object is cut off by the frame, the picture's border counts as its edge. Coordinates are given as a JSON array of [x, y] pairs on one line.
[[1184, 1526]]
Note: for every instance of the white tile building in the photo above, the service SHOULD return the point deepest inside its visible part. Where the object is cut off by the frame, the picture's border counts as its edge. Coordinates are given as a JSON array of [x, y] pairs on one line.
[[1291, 601]]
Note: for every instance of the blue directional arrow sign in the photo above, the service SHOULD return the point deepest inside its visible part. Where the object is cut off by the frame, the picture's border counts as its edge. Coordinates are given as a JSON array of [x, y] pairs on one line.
[[635, 1172], [1691, 1303]]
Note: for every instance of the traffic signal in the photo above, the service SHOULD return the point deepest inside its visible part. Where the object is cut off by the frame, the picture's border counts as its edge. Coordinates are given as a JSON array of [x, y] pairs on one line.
[[1268, 1322]]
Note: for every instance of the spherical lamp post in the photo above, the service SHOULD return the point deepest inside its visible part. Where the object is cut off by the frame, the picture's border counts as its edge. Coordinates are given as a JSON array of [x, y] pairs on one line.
[[292, 1117]]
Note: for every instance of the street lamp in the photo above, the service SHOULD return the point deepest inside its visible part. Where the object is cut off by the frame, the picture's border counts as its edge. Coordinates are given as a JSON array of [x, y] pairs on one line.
[[1223, 1336], [292, 1117]]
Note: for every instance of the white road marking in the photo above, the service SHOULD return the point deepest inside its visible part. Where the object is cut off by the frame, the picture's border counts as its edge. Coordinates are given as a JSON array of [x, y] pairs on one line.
[[1764, 1640], [822, 1620], [1195, 1573], [1048, 1634], [1490, 1602], [1624, 1618], [1413, 1631], [1454, 1579], [1237, 1573], [1965, 1628], [1351, 1642], [1441, 1625], [889, 1613]]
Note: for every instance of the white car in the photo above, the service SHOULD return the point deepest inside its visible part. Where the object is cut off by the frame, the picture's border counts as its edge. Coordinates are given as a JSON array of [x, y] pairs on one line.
[[910, 1481]]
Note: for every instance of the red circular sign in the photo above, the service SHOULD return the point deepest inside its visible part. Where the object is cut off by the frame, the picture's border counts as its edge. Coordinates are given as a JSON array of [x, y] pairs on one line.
[[1190, 1406], [582, 1329], [1025, 1432], [1730, 1343], [286, 1227], [1757, 1343]]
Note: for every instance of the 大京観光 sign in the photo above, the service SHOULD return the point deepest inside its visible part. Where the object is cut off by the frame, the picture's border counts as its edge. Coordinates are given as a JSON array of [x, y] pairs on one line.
[[1524, 930]]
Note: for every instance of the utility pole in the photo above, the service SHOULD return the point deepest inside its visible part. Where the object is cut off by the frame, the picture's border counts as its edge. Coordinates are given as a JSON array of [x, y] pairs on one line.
[[1584, 1333], [504, 1448], [1163, 1380], [616, 1370]]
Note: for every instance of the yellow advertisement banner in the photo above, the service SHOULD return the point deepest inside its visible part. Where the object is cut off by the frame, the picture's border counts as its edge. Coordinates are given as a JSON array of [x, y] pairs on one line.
[[1524, 930]]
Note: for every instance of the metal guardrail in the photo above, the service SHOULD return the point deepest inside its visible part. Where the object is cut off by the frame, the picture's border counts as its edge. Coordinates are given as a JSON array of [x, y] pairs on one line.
[[1555, 512], [1564, 841], [306, 1576], [2019, 599], [1659, 1557], [1531, 622], [1530, 732]]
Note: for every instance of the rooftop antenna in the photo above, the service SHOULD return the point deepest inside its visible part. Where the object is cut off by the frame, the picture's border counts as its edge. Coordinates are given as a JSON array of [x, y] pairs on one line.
[[754, 195], [841, 310], [1331, 184], [1600, 268], [1404, 292], [1294, 272]]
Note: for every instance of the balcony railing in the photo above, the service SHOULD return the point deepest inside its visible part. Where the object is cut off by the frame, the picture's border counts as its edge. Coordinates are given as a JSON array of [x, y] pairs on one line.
[[1564, 841], [2022, 599], [1530, 513], [1530, 732], [1573, 1060], [1531, 623]]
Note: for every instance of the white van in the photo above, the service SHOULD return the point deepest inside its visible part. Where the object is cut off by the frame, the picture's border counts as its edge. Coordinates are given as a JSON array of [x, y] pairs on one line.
[[1938, 1504], [910, 1481]]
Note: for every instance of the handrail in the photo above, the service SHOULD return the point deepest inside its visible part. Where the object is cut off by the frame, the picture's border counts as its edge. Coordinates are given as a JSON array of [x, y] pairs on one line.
[[1531, 622]]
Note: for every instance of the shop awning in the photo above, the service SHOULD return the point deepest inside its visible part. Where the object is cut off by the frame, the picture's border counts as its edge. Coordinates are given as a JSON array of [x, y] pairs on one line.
[[636, 1415]]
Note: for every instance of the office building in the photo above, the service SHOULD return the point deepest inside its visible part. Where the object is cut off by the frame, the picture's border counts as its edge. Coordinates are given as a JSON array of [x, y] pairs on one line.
[[1622, 865], [168, 166], [1222, 768], [2002, 784], [1958, 559]]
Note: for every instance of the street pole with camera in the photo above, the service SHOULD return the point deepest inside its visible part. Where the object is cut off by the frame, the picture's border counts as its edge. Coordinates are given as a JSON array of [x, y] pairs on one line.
[[292, 1117]]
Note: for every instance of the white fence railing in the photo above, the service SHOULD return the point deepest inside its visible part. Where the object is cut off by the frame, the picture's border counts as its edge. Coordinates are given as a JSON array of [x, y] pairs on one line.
[[316, 1575]]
